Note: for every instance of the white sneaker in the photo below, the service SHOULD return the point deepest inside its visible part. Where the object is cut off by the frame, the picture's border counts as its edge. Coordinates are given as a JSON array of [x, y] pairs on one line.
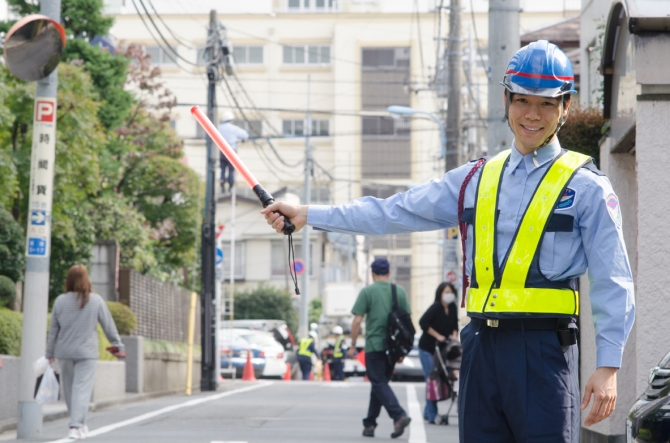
[[83, 431], [74, 434]]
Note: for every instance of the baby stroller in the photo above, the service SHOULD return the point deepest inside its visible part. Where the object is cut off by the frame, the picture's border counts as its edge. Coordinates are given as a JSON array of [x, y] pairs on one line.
[[443, 376]]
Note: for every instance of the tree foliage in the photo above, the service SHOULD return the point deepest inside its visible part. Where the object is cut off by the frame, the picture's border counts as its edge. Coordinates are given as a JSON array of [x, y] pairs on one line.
[[12, 246], [118, 174], [266, 302], [582, 131]]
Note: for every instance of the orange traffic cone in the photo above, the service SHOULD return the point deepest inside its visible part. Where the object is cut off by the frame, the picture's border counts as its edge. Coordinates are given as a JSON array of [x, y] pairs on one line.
[[326, 372], [287, 374], [311, 376], [248, 374]]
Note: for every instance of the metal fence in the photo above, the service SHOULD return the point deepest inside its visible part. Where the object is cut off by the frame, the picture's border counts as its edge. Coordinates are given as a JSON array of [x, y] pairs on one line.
[[161, 308]]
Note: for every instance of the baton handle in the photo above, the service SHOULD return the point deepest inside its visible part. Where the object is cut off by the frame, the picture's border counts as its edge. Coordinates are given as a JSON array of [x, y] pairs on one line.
[[266, 200]]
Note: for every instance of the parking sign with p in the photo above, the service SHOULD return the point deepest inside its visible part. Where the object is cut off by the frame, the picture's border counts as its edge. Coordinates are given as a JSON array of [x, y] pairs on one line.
[[44, 111]]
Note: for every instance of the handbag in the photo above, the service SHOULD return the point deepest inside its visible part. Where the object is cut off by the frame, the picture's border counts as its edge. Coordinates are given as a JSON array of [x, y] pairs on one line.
[[436, 389]]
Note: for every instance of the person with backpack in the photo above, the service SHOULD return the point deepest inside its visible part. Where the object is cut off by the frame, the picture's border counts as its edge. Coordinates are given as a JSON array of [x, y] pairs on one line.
[[375, 303], [533, 218]]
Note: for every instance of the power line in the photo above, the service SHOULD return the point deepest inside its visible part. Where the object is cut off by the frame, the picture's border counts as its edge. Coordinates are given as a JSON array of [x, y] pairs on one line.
[[474, 29], [176, 37], [289, 80], [156, 40]]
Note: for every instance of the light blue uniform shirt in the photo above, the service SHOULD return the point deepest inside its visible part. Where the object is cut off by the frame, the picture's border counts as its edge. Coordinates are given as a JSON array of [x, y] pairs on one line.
[[232, 133], [595, 241]]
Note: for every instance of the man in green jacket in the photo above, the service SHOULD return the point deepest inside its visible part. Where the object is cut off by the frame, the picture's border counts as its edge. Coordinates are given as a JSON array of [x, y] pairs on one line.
[[374, 302]]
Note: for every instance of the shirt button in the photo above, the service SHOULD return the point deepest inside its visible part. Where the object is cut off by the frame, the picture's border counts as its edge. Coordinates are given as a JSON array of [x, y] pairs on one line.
[[511, 216], [520, 181]]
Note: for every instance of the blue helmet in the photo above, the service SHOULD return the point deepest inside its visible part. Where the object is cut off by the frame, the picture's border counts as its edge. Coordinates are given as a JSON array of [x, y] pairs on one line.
[[540, 68]]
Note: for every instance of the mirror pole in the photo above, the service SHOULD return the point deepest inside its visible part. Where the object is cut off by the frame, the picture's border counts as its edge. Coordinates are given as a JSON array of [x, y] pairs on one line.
[[36, 289]]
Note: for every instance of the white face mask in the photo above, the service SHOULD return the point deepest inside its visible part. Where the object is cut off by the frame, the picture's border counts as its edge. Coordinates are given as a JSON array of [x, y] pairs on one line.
[[449, 298]]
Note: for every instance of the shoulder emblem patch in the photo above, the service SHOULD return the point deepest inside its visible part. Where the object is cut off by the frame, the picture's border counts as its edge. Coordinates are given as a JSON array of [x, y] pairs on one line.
[[614, 209], [567, 199]]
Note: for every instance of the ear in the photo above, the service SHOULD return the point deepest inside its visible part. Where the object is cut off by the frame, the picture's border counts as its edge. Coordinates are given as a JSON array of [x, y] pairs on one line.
[[566, 106]]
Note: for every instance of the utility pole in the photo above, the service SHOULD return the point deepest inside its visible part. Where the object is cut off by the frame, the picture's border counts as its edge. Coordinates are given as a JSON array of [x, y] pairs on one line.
[[304, 314], [503, 43], [38, 247], [209, 381], [453, 157]]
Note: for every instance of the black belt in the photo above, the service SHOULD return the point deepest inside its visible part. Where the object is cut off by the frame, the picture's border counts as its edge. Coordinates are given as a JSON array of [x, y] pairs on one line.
[[524, 323]]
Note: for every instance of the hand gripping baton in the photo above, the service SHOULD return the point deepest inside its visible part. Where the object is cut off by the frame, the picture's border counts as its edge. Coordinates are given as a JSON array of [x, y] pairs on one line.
[[265, 197]]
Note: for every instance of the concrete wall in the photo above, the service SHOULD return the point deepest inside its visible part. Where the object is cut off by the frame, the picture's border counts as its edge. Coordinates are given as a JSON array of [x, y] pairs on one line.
[[653, 162], [110, 384], [9, 386], [166, 372]]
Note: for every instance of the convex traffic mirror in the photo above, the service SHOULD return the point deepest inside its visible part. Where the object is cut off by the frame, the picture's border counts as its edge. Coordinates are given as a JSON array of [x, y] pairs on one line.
[[33, 47]]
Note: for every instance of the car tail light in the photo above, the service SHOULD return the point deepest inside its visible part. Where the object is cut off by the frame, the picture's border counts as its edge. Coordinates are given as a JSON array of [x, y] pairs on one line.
[[225, 351], [280, 355], [262, 353]]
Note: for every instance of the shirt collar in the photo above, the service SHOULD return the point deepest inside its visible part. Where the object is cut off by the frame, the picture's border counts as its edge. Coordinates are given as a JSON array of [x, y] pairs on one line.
[[544, 155]]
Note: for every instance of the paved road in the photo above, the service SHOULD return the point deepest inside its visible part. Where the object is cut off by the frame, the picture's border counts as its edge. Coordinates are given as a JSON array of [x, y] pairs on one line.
[[262, 412]]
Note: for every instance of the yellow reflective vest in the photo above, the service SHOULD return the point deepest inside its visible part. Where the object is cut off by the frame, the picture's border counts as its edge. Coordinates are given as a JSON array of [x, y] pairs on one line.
[[304, 347], [503, 289], [337, 351]]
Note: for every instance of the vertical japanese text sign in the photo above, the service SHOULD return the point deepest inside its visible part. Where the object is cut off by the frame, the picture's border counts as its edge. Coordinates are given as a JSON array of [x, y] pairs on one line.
[[42, 178]]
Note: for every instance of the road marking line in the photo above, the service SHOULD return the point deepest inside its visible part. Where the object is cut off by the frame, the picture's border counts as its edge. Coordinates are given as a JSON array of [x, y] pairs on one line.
[[417, 432], [148, 415]]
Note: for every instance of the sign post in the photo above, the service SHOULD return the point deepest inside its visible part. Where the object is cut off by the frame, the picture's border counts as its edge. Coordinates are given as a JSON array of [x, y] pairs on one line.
[[33, 48]]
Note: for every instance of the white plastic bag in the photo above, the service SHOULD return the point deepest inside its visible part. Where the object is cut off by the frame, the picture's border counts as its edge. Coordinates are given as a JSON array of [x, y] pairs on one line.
[[48, 391], [40, 366]]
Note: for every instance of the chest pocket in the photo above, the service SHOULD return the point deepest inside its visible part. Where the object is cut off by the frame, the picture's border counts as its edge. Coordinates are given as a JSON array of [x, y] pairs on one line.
[[560, 223], [557, 222]]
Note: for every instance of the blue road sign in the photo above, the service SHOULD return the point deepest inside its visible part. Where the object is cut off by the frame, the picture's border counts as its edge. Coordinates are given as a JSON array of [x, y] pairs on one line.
[[38, 218], [219, 256], [298, 266], [37, 246]]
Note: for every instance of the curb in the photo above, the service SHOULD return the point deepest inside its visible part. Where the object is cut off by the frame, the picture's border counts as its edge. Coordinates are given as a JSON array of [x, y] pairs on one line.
[[10, 424]]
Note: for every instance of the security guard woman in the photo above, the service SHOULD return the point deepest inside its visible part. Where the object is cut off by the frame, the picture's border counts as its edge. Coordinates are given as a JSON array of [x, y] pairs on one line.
[[305, 352], [536, 217]]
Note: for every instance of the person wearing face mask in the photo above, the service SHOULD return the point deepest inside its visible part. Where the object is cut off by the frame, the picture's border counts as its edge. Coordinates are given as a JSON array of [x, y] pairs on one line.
[[535, 217], [438, 323]]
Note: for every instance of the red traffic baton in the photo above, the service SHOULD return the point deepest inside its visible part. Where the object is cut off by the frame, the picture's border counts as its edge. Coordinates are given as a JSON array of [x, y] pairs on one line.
[[265, 197]]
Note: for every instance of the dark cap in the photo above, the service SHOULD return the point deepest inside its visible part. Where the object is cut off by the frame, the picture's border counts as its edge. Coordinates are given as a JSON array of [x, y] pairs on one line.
[[380, 266]]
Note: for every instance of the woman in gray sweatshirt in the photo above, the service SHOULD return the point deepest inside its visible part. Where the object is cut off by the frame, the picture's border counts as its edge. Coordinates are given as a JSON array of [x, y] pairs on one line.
[[73, 340]]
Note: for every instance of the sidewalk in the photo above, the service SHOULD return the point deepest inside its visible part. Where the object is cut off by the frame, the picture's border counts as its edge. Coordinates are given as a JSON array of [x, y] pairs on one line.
[[55, 411]]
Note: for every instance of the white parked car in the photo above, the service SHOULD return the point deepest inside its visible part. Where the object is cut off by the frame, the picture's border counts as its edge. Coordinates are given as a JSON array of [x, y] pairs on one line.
[[275, 357]]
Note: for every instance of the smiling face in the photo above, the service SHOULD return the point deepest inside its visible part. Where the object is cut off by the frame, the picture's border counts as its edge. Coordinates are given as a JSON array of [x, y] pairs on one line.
[[533, 119]]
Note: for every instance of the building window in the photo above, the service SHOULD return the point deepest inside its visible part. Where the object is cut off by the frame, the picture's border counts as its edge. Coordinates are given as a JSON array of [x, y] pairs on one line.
[[376, 127], [296, 128], [280, 258], [312, 5], [248, 55], [253, 127], [306, 55], [159, 56], [240, 263]]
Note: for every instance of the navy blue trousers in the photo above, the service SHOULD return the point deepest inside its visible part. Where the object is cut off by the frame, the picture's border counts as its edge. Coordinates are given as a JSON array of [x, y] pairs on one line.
[[305, 366], [379, 371], [517, 386], [338, 369]]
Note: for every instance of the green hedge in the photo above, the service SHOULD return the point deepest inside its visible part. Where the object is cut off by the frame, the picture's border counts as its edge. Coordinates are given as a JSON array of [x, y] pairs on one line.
[[7, 291], [125, 319], [10, 332], [11, 324]]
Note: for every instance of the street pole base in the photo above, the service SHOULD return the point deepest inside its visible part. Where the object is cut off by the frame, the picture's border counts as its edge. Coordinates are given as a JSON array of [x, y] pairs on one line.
[[29, 423]]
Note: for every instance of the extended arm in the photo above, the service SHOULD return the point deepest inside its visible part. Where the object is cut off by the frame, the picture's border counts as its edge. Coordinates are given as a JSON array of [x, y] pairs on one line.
[[427, 207]]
